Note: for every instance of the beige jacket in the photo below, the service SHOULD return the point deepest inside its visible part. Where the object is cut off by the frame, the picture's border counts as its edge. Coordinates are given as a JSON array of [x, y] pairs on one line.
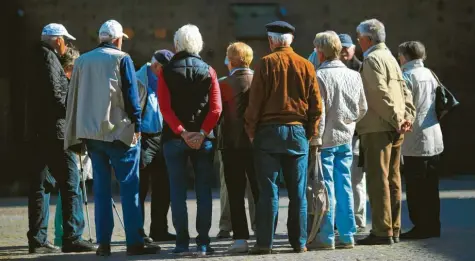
[[95, 108], [389, 100]]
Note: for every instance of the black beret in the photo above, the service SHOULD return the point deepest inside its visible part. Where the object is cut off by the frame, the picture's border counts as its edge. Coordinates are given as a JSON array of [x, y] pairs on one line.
[[280, 27]]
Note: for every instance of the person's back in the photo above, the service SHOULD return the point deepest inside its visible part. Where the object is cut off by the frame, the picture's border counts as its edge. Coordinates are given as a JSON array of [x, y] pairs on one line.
[[289, 82], [235, 95], [282, 116], [100, 96], [344, 101], [426, 127], [188, 79]]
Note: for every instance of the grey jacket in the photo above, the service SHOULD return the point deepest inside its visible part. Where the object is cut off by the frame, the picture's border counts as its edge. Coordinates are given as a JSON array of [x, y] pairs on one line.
[[426, 136], [96, 108]]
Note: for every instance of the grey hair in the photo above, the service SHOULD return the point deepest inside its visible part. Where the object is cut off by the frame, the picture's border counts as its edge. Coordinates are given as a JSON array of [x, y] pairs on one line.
[[106, 39], [374, 29], [282, 39], [188, 38], [49, 38], [412, 50]]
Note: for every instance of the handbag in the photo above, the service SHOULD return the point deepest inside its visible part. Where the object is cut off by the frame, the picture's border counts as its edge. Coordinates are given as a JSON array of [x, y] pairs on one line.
[[445, 101]]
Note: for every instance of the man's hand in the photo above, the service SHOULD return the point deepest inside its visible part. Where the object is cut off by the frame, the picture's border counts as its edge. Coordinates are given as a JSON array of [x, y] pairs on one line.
[[136, 138], [405, 127]]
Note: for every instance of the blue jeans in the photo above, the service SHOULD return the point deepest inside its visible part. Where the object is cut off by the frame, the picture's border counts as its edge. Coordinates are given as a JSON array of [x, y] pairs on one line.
[[281, 148], [336, 166], [176, 154], [62, 166], [125, 160]]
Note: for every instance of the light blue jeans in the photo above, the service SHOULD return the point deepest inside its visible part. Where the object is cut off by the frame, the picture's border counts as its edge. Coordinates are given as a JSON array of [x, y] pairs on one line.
[[125, 161], [336, 166]]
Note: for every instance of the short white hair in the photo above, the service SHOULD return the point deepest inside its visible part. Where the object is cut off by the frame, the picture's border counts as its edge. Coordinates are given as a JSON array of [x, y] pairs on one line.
[[374, 29], [106, 39], [282, 39], [48, 38], [188, 38]]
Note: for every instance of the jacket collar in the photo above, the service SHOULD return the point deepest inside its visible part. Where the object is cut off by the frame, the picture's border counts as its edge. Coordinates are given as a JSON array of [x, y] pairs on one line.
[[49, 48], [373, 48], [241, 71], [332, 64], [285, 49], [183, 55], [417, 63], [108, 45]]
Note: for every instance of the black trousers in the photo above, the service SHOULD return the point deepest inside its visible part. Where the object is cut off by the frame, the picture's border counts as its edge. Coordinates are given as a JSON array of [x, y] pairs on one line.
[[237, 164], [422, 189], [153, 171]]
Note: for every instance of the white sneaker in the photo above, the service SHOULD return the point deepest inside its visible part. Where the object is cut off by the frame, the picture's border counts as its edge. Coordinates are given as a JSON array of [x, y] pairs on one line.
[[239, 246]]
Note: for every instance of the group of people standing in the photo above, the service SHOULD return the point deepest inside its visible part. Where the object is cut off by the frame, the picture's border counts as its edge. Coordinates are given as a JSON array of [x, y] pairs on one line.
[[269, 122]]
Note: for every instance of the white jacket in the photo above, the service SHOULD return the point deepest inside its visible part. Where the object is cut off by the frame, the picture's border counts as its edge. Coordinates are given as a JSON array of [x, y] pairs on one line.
[[425, 139], [344, 103]]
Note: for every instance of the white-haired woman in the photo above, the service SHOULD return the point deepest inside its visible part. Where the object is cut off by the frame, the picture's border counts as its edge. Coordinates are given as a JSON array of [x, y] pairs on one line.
[[422, 146], [344, 104], [190, 102]]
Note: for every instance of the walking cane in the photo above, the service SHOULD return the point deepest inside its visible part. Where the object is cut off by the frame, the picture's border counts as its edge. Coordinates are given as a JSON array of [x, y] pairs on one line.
[[117, 212], [84, 191]]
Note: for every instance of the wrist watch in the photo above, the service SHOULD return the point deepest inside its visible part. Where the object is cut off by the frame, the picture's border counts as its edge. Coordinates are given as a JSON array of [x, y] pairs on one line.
[[203, 133]]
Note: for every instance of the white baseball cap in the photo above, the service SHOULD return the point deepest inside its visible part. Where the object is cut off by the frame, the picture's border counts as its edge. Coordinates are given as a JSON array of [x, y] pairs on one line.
[[112, 29], [57, 30]]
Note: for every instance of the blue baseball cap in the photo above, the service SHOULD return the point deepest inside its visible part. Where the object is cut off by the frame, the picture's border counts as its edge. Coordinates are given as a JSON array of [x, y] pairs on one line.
[[57, 30], [345, 40]]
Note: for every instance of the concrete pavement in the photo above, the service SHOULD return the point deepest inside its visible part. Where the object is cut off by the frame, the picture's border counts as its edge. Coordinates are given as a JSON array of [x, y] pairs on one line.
[[456, 243]]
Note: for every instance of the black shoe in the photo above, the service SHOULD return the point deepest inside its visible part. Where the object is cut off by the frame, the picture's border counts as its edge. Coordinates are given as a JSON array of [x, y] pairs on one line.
[[139, 250], [223, 234], [164, 237], [256, 250], [79, 246], [46, 248], [396, 240], [375, 240], [419, 234], [103, 250]]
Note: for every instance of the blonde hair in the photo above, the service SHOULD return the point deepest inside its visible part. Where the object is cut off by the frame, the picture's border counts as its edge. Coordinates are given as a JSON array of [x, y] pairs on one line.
[[239, 54], [328, 43]]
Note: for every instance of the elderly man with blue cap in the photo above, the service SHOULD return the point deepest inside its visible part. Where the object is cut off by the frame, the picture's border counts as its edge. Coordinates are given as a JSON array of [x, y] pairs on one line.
[[347, 55], [282, 116], [50, 86], [152, 163], [104, 112]]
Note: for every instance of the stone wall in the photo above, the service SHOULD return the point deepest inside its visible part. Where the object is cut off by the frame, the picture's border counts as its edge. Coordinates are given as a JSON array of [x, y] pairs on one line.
[[446, 27]]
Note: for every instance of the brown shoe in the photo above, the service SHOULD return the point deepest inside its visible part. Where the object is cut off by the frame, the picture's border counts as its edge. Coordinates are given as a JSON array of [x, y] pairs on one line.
[[300, 250]]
